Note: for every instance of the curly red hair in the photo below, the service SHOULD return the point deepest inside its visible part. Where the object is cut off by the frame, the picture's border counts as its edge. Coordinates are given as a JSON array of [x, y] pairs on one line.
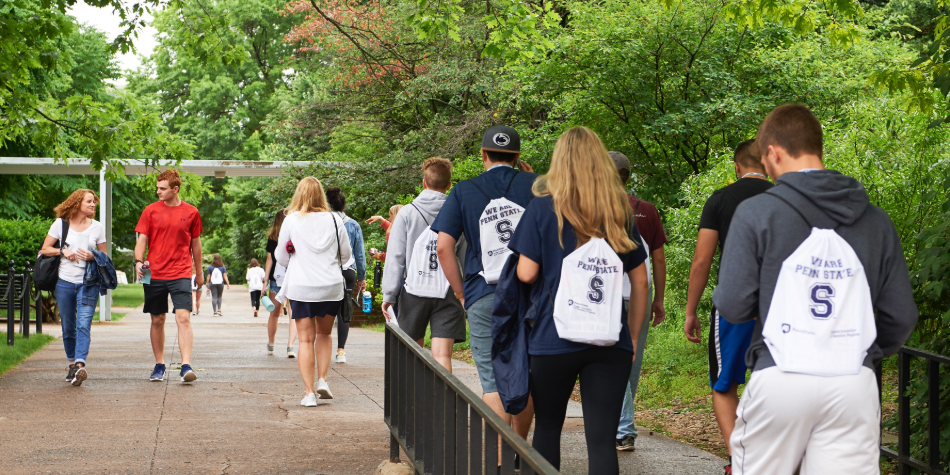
[[70, 206]]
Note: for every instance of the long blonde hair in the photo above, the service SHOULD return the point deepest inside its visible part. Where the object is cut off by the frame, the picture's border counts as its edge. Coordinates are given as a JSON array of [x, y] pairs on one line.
[[586, 189], [308, 198]]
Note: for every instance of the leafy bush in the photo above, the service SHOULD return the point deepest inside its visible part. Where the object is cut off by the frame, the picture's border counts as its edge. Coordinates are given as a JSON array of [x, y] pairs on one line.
[[20, 240]]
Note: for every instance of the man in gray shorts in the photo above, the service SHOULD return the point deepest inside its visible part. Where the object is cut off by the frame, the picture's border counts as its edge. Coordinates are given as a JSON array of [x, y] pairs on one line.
[[411, 256]]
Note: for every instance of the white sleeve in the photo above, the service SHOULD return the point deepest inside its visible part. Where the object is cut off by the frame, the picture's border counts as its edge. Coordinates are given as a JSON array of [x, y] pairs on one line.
[[346, 252], [56, 230], [101, 238], [280, 254]]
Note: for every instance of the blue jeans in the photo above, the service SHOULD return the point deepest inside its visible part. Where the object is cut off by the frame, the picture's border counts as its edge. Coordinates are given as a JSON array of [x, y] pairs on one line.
[[626, 426], [77, 304]]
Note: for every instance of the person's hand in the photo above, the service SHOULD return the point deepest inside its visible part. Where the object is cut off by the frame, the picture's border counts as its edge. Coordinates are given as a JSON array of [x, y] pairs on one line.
[[70, 255], [138, 272], [373, 253], [374, 219], [229, 286], [200, 280], [386, 307], [634, 341], [360, 287], [84, 255], [525, 166], [659, 312], [692, 328]]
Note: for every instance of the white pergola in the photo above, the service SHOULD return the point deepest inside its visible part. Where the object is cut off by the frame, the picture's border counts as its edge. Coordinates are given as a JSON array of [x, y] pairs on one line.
[[80, 166]]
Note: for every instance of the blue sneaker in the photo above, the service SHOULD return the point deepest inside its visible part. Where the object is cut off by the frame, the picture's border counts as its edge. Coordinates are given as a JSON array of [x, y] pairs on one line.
[[158, 374], [187, 375]]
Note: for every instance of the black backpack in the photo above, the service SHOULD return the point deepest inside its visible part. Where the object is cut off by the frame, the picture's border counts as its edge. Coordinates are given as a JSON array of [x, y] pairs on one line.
[[46, 268]]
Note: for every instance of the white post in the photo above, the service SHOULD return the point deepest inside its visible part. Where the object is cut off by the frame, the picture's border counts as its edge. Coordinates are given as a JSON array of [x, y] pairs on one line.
[[105, 214]]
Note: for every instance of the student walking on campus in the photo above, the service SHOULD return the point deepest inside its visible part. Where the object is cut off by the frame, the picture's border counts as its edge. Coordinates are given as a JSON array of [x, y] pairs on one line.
[[728, 343], [171, 230], [427, 299], [217, 278], [469, 202], [654, 238], [255, 284], [275, 278], [821, 274], [313, 245], [77, 301], [575, 241], [386, 224], [354, 270]]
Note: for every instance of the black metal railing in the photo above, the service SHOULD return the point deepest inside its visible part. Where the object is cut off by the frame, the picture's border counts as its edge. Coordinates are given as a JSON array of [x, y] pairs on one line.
[[441, 425], [902, 456], [16, 293]]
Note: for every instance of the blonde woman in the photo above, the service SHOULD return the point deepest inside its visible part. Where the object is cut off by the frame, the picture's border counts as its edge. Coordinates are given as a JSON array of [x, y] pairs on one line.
[[275, 277], [313, 245], [84, 234], [580, 198]]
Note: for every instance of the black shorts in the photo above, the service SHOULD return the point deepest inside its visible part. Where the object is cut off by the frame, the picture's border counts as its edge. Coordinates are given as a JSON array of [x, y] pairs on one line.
[[445, 316], [157, 292]]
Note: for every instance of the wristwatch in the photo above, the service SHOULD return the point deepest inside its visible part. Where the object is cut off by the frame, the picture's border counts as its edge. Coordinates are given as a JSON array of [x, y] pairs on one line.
[[137, 261]]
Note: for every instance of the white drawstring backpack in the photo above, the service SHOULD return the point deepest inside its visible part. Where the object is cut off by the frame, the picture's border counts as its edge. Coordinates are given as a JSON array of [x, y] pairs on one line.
[[424, 276], [587, 308], [820, 320], [496, 226], [626, 278]]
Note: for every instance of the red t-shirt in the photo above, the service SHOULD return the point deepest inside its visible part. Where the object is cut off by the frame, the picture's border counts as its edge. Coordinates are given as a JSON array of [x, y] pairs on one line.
[[170, 230], [648, 223]]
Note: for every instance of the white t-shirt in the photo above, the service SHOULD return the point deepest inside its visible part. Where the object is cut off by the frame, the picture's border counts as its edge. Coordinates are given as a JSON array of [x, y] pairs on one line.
[[255, 278], [70, 271]]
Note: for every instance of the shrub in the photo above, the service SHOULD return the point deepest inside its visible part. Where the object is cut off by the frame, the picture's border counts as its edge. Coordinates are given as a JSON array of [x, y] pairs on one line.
[[20, 240]]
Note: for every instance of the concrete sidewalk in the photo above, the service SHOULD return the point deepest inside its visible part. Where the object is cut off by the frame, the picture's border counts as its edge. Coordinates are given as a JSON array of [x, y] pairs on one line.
[[241, 416]]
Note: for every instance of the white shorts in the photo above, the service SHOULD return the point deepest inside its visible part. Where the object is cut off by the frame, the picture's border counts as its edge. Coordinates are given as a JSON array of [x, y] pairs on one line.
[[832, 425]]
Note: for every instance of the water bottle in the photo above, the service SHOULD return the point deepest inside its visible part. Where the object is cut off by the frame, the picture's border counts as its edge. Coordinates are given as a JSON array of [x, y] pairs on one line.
[[146, 273], [377, 274], [367, 302]]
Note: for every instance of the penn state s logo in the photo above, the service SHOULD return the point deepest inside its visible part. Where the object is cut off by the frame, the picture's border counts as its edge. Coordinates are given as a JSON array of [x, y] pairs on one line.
[[821, 304], [596, 292], [503, 228]]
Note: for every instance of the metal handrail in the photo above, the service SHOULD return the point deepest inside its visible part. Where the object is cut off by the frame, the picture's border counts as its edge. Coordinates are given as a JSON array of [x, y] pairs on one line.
[[905, 462], [436, 437]]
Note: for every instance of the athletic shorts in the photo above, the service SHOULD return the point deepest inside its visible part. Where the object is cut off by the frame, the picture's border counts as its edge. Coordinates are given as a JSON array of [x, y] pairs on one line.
[[314, 309], [157, 292], [446, 316], [728, 344]]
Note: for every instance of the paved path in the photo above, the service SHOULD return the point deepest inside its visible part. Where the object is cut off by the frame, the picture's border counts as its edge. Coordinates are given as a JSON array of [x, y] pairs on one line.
[[241, 416]]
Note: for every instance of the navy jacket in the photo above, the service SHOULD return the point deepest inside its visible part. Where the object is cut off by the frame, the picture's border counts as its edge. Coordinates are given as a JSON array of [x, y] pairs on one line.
[[512, 316], [102, 274]]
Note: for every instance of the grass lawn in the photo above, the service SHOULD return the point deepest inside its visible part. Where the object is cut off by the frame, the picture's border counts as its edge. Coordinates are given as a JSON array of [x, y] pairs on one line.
[[128, 295], [10, 356], [115, 317]]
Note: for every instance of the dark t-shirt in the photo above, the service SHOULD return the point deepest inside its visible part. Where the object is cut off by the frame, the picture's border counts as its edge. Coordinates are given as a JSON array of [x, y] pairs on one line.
[[648, 223], [537, 239], [271, 247], [719, 208], [464, 207]]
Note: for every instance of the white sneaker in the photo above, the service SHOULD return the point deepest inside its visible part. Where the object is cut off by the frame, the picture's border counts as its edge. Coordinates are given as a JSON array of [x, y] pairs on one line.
[[341, 358], [323, 389], [290, 352], [309, 401]]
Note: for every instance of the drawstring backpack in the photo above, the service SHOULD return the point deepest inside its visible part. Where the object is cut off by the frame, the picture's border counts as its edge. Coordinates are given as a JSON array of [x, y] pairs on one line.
[[424, 276], [496, 226], [216, 276], [821, 320], [587, 307]]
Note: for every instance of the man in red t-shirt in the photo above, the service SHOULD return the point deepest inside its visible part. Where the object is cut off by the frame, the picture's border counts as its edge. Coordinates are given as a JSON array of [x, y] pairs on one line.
[[651, 230], [170, 229]]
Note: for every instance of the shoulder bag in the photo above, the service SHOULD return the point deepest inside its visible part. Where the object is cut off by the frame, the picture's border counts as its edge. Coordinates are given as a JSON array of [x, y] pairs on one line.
[[46, 268]]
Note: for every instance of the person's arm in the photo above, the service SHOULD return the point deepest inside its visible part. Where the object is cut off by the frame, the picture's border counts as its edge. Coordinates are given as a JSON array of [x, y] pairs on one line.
[[639, 290], [281, 254], [196, 258], [897, 312], [225, 275], [659, 285], [706, 243], [268, 262], [445, 248], [360, 258], [140, 244], [49, 250], [737, 298], [396, 267], [527, 269]]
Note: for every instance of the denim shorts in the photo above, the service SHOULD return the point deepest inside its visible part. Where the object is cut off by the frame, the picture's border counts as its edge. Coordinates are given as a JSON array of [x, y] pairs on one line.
[[273, 287]]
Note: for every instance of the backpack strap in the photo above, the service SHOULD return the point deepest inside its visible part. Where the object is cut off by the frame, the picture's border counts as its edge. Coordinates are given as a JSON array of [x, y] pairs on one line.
[[339, 253], [823, 212], [513, 176], [480, 189], [795, 208], [420, 213], [62, 242]]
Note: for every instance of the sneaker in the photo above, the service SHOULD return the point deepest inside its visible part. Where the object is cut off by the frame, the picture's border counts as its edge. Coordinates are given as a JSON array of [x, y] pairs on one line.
[[70, 373], [270, 349], [309, 401], [290, 352], [626, 444], [323, 389], [187, 375], [341, 357], [80, 376], [728, 469], [158, 374]]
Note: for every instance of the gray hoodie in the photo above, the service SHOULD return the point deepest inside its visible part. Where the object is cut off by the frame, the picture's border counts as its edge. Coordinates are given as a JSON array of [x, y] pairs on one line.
[[406, 228], [765, 231]]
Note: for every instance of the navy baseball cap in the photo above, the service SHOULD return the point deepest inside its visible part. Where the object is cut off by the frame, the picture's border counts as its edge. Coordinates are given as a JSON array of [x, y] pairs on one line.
[[501, 138]]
